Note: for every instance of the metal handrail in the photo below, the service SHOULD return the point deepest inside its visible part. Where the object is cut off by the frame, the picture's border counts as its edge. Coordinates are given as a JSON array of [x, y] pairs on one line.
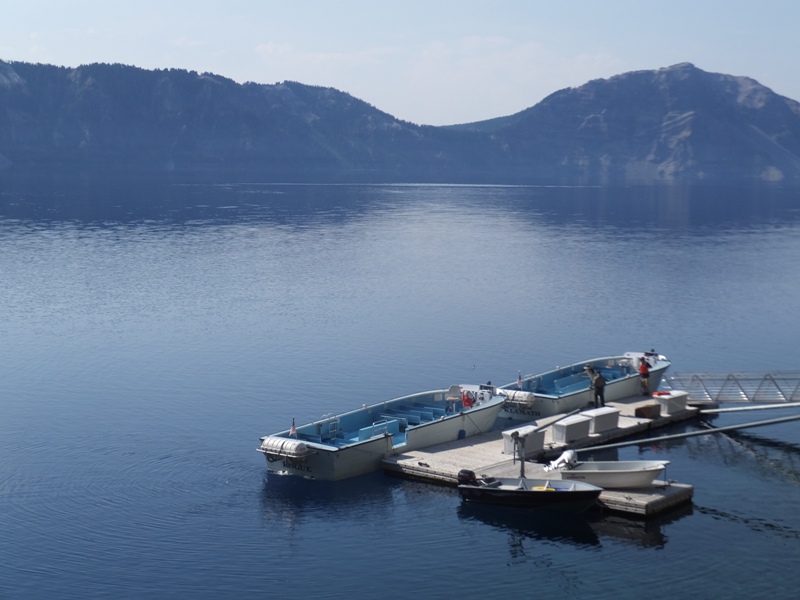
[[718, 388]]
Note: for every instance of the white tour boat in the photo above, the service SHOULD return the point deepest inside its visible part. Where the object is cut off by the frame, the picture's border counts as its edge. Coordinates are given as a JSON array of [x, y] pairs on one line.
[[356, 442], [565, 389]]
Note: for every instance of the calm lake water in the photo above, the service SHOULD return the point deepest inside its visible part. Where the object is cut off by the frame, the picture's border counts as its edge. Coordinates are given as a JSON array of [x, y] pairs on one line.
[[151, 332]]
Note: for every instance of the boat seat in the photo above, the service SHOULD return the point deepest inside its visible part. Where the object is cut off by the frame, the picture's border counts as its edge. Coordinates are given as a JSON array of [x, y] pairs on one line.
[[411, 419], [611, 374], [570, 381], [379, 428], [436, 411], [453, 394], [575, 387], [394, 416], [422, 413]]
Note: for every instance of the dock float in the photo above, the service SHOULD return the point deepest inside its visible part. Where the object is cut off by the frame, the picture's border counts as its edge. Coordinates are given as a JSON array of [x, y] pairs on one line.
[[487, 454]]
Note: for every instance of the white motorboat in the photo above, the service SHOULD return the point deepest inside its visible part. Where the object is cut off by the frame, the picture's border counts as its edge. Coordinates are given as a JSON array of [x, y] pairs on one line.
[[610, 474]]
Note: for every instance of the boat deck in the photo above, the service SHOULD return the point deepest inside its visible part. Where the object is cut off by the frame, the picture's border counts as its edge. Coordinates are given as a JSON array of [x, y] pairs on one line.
[[484, 454]]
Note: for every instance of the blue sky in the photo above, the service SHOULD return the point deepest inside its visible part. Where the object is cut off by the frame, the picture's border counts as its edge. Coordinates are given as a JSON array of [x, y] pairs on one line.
[[431, 62]]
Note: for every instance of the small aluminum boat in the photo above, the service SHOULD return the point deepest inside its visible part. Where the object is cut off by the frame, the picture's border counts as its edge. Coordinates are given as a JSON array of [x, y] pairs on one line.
[[523, 492]]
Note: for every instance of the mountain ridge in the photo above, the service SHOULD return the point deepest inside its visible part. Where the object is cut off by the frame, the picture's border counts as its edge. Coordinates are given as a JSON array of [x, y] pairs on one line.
[[676, 124]]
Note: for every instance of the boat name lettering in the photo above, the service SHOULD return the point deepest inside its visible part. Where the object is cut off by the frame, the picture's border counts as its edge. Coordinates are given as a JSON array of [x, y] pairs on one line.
[[522, 411], [296, 465]]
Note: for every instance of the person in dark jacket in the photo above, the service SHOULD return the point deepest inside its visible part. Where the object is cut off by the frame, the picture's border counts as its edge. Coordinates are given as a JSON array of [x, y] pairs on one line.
[[598, 384]]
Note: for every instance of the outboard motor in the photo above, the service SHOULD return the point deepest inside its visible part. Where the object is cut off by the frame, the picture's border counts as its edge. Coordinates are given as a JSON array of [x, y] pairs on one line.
[[467, 477], [566, 461]]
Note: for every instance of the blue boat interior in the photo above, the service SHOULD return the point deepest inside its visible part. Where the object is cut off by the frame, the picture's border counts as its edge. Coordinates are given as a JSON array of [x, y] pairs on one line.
[[393, 418], [571, 379]]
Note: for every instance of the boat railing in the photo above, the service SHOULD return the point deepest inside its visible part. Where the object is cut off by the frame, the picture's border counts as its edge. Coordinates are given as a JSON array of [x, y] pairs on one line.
[[722, 388]]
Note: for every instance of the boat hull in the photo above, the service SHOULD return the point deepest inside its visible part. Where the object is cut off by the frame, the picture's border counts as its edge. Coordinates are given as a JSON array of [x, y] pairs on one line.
[[385, 431], [549, 495], [567, 388], [614, 474]]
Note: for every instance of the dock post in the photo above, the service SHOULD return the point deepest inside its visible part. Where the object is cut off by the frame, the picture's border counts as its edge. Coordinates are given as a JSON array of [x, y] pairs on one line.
[[519, 447]]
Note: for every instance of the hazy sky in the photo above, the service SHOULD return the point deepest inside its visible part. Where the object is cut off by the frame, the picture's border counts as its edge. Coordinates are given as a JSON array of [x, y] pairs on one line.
[[431, 62]]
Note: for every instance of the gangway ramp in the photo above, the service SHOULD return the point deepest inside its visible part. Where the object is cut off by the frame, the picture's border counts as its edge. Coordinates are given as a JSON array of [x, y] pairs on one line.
[[724, 388]]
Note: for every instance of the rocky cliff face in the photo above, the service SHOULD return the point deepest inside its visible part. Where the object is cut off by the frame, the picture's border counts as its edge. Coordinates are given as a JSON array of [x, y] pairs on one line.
[[674, 124], [677, 123]]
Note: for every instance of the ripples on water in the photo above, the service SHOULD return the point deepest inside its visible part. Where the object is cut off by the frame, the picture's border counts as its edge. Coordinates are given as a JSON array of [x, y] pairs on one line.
[[151, 334]]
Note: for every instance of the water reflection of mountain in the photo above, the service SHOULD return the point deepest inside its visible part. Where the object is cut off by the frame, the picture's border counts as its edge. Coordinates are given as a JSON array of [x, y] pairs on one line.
[[178, 203], [665, 208], [101, 199]]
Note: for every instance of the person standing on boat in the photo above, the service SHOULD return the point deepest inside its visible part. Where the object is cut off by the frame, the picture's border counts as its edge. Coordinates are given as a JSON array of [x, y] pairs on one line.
[[644, 375], [598, 385]]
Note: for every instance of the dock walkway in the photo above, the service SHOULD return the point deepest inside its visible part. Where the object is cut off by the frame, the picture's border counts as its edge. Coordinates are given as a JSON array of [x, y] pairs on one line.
[[484, 454], [727, 388]]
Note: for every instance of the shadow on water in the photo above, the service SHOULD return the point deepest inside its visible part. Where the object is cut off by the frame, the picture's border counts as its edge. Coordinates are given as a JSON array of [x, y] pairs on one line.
[[289, 494], [756, 440], [761, 455], [587, 529], [536, 525], [644, 532], [758, 525]]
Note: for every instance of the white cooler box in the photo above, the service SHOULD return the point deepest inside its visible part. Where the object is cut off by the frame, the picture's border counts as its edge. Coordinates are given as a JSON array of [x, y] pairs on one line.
[[534, 440], [604, 418], [571, 428], [673, 402]]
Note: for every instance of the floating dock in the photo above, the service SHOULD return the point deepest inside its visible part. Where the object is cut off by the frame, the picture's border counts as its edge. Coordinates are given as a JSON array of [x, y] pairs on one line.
[[489, 453]]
